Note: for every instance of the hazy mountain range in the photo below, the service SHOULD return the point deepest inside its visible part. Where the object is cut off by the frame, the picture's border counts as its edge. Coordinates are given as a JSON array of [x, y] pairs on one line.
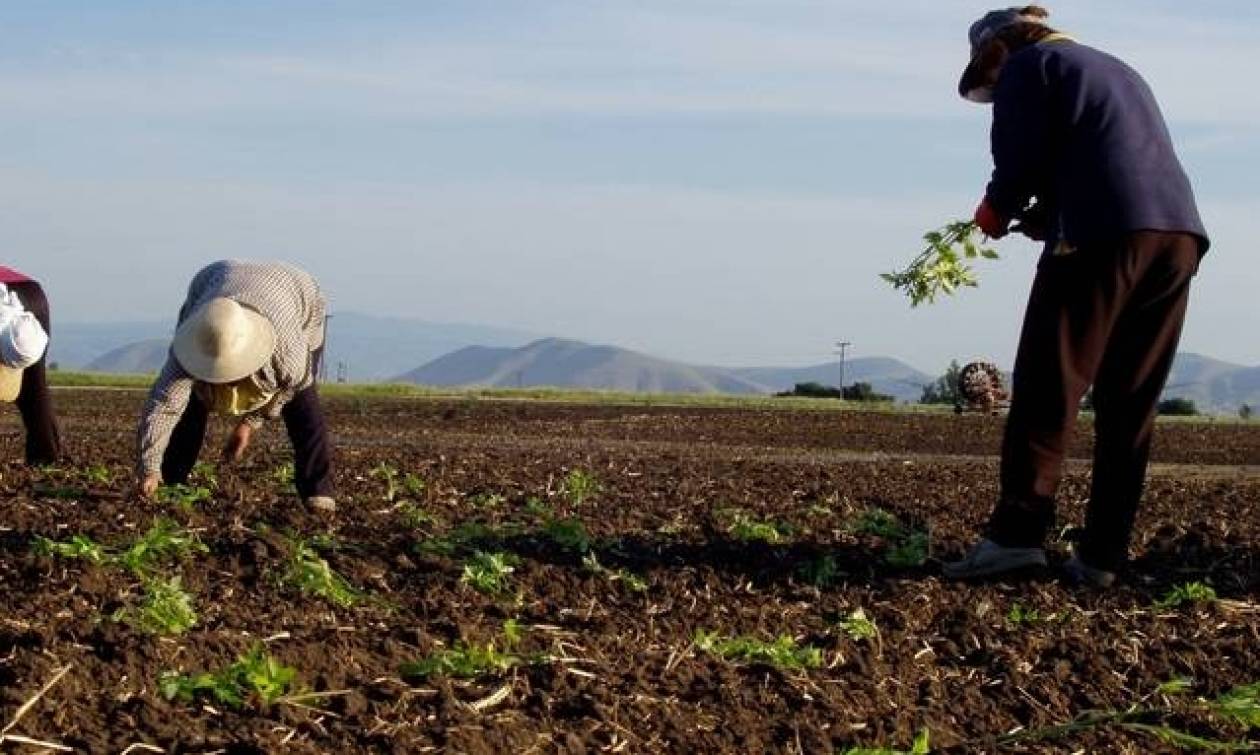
[[364, 348]]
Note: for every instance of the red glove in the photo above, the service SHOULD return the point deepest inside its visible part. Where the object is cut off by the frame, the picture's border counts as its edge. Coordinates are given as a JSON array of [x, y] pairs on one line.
[[991, 221]]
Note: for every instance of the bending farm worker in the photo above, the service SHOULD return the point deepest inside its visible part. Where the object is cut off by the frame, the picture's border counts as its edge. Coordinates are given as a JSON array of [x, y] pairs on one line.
[[24, 333], [248, 345], [1081, 155]]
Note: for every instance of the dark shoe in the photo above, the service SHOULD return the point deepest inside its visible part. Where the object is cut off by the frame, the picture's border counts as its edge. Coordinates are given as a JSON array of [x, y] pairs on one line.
[[987, 559], [1080, 573]]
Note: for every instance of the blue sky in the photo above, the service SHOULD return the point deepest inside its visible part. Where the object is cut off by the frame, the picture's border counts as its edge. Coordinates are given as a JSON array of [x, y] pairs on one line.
[[713, 181]]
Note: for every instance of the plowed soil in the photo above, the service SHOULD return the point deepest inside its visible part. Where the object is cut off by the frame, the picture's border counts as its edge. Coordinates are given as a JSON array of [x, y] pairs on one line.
[[605, 666]]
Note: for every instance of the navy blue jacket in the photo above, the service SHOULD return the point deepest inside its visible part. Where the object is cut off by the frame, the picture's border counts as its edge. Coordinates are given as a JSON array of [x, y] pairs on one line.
[[1081, 131]]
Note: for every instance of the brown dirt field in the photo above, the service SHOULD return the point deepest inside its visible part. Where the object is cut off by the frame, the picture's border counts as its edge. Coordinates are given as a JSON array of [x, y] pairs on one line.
[[606, 667]]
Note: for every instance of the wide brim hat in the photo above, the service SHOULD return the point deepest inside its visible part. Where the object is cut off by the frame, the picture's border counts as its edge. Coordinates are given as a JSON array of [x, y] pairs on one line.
[[10, 384], [970, 84], [223, 341]]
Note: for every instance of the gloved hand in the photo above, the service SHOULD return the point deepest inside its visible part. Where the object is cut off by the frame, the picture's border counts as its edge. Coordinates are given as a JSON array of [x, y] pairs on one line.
[[990, 220], [1033, 222]]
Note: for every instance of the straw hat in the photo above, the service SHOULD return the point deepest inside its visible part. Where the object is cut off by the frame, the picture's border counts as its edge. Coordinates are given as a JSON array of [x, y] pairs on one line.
[[223, 341]]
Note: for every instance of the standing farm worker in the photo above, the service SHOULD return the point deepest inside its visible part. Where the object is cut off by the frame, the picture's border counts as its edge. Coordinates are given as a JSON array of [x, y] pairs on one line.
[[248, 344], [1083, 159], [24, 328]]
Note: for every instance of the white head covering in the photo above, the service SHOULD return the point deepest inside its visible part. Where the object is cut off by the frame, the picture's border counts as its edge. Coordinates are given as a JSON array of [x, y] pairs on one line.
[[22, 342]]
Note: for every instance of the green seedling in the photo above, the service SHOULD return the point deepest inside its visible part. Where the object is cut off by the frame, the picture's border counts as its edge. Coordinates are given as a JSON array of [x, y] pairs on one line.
[[414, 517], [462, 661], [920, 746], [569, 534], [633, 582], [466, 536], [858, 626], [78, 546], [166, 609], [1190, 592], [747, 529], [822, 571], [183, 496], [206, 473], [910, 552], [782, 653], [489, 573], [487, 500], [165, 541], [1241, 705], [284, 474], [877, 522], [98, 474], [579, 486], [312, 575], [941, 268], [1023, 615], [255, 676], [538, 508]]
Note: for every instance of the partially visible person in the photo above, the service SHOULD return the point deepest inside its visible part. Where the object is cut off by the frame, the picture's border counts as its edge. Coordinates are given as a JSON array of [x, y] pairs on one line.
[[24, 335], [1083, 159], [249, 340]]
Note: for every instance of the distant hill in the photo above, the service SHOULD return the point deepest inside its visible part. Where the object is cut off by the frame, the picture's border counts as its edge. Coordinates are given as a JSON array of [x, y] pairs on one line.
[[371, 348], [135, 358], [1213, 385], [572, 364]]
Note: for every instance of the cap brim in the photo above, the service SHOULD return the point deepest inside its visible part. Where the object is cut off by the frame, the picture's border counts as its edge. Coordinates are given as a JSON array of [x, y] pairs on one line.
[[260, 346], [970, 87], [10, 384]]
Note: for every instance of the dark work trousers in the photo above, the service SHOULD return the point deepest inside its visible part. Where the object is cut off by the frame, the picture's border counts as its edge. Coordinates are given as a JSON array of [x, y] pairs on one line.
[[34, 401], [1111, 317], [304, 420]]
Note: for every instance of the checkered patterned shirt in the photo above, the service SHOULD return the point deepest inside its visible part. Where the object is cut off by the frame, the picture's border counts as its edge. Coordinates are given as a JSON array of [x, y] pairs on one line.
[[289, 298]]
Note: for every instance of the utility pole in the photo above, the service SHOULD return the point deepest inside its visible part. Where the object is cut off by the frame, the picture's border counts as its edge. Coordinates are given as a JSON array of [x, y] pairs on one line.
[[842, 346]]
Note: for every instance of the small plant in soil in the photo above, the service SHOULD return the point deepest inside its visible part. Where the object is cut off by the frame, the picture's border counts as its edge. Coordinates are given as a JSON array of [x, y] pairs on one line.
[[538, 508], [579, 486], [205, 473], [1022, 615], [822, 571], [858, 626], [877, 522], [183, 496], [569, 534], [312, 575], [1240, 705], [389, 475], [487, 500], [254, 677], [283, 475], [413, 517], [97, 474], [747, 529], [907, 547], [920, 746], [632, 582], [910, 551], [165, 541], [167, 609], [469, 660], [1188, 593], [941, 268], [78, 546], [782, 653], [489, 573]]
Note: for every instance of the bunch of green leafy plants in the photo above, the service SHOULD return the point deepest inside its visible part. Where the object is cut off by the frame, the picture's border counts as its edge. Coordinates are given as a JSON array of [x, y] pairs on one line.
[[907, 547], [580, 485], [783, 652], [183, 496], [631, 581], [746, 528], [942, 267], [311, 574], [568, 533], [920, 746], [255, 676], [489, 573], [167, 609], [1188, 593], [471, 660]]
